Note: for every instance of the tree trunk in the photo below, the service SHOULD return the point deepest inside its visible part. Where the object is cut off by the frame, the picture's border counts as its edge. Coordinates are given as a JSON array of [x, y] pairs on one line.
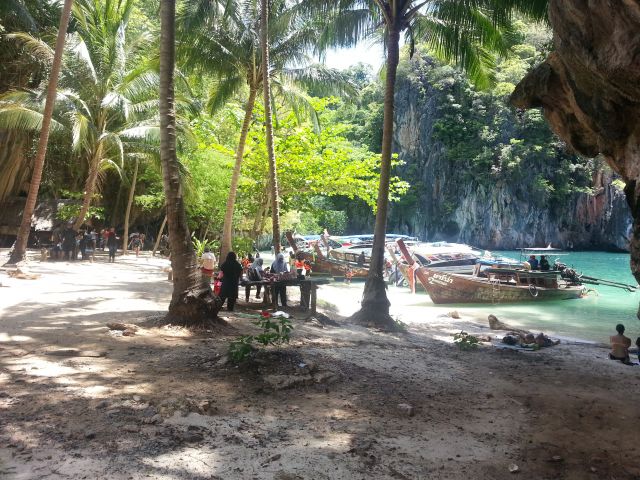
[[89, 188], [125, 237], [157, 242], [192, 302], [375, 305], [265, 215], [20, 247], [114, 213], [266, 83], [260, 213], [227, 229]]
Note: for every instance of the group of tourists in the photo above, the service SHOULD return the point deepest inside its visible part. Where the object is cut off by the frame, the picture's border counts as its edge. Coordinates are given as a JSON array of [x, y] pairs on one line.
[[542, 265], [226, 281], [620, 345], [67, 243]]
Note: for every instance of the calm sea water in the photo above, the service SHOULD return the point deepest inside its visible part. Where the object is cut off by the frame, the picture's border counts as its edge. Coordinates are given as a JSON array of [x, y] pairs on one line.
[[591, 318]]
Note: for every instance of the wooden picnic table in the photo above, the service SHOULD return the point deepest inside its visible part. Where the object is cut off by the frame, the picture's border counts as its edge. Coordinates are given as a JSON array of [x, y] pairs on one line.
[[308, 288]]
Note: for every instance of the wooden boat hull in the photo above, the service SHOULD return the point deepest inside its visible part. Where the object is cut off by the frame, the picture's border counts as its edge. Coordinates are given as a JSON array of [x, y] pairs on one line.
[[454, 288]]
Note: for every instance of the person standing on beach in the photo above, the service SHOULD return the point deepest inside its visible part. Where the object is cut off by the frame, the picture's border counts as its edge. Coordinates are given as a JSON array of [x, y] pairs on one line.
[[112, 244], [280, 291], [69, 242], [208, 260], [620, 345], [231, 272]]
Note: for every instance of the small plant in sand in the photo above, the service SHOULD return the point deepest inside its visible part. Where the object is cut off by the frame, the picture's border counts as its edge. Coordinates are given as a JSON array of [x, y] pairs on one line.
[[275, 331], [465, 341]]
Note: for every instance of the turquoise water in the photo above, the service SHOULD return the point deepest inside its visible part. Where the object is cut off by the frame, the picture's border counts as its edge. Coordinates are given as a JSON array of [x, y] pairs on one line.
[[591, 318]]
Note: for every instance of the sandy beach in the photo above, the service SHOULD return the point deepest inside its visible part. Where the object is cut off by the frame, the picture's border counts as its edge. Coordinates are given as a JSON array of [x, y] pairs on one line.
[[79, 400]]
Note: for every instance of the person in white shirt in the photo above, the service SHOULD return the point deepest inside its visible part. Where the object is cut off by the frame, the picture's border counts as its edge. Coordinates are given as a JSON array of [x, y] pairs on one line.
[[208, 265]]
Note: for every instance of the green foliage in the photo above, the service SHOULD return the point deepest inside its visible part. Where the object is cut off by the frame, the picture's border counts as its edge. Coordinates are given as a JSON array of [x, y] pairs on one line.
[[242, 245], [312, 164], [70, 212], [274, 332], [465, 341], [486, 141], [619, 184], [200, 245], [241, 348]]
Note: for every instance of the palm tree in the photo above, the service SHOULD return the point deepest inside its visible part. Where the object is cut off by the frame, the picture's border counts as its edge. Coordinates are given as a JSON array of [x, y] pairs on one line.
[[20, 247], [228, 46], [113, 108], [127, 214], [266, 85], [107, 96], [466, 32], [191, 301]]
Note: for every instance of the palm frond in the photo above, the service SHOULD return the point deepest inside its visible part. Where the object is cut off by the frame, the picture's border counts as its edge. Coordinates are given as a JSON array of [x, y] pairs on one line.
[[32, 45], [321, 80], [223, 91], [22, 119]]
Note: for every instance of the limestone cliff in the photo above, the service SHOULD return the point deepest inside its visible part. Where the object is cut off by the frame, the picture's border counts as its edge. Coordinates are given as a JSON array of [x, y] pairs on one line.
[[486, 198], [589, 88]]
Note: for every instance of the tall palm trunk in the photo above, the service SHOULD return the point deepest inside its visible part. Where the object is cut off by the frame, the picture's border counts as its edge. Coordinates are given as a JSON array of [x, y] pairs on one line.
[[125, 237], [89, 189], [227, 230], [192, 302], [20, 247], [262, 208], [375, 305], [157, 242], [266, 83], [116, 211]]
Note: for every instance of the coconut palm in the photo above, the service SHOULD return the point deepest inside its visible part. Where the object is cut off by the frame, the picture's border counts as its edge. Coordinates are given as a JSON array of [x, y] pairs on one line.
[[268, 122], [20, 247], [107, 100], [191, 301], [466, 32], [225, 42]]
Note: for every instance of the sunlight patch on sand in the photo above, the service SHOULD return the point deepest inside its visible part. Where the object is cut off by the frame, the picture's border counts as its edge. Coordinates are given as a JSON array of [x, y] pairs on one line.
[[43, 368], [188, 460], [5, 337]]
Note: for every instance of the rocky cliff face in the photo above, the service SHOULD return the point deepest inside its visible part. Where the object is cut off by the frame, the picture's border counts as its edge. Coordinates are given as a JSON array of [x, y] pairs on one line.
[[589, 88], [502, 209]]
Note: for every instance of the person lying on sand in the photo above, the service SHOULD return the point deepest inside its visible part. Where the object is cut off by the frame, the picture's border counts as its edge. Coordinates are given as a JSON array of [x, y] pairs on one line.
[[620, 346], [529, 340]]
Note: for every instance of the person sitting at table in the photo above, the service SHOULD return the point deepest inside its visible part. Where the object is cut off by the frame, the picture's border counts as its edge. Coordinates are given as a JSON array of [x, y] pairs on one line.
[[255, 273], [280, 291]]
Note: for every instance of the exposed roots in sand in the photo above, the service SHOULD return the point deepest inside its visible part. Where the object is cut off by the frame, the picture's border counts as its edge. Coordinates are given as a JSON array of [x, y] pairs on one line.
[[197, 309], [374, 312]]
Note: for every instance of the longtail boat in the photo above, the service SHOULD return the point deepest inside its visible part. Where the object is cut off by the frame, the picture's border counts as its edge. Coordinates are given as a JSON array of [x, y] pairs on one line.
[[402, 267], [493, 285], [342, 265], [316, 258], [333, 265]]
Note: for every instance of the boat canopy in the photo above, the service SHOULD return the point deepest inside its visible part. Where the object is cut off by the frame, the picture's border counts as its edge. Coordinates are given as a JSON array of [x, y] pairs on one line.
[[542, 251]]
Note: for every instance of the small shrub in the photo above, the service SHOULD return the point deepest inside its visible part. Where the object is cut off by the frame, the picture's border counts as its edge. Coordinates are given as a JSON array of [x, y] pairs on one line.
[[241, 348], [464, 341], [275, 331]]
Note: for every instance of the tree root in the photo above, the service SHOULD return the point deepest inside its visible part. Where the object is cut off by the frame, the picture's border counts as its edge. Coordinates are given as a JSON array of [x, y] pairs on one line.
[[375, 308], [372, 317], [196, 309]]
